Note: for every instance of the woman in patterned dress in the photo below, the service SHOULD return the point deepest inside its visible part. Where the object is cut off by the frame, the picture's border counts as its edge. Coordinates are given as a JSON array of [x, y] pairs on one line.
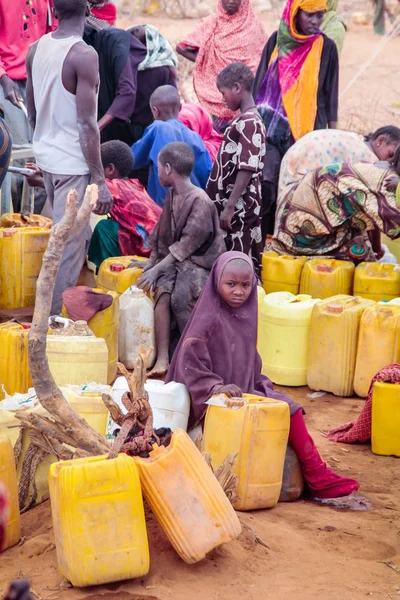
[[234, 184]]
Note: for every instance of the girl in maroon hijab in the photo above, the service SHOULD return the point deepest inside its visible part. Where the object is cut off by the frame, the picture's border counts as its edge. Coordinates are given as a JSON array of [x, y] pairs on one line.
[[217, 354]]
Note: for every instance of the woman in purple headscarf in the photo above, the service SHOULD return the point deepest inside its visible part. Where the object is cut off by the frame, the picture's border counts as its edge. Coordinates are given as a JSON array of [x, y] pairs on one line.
[[217, 354]]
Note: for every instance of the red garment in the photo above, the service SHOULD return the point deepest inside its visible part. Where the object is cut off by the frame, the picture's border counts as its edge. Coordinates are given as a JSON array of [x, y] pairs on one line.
[[360, 429], [108, 13], [22, 22], [321, 481], [197, 119], [3, 515], [136, 214], [82, 303], [222, 39]]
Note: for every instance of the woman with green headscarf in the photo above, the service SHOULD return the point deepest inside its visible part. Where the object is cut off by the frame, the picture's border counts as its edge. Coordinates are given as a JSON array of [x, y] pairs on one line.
[[333, 25]]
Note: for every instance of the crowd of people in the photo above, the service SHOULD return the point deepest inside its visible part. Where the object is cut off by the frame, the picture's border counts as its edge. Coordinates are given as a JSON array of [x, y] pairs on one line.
[[196, 189]]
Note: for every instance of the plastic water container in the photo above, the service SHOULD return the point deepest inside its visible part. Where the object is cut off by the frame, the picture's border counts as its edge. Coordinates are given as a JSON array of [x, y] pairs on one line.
[[114, 275], [136, 326], [170, 403], [333, 338], [98, 520], [293, 480], [74, 360], [284, 322], [8, 478], [14, 367], [377, 281], [281, 273], [326, 277], [257, 433], [385, 437], [186, 498], [12, 220], [378, 344], [87, 401], [21, 255], [105, 324]]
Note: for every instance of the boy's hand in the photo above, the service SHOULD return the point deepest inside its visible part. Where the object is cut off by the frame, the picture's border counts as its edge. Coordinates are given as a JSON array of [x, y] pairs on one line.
[[141, 264], [226, 217], [231, 390], [105, 201], [147, 280], [392, 182], [35, 180]]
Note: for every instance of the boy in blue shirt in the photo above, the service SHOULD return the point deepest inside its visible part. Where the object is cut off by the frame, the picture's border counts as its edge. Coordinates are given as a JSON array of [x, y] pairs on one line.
[[165, 105]]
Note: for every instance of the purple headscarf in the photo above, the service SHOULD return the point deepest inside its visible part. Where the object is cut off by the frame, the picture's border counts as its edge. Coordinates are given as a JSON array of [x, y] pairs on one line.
[[219, 346]]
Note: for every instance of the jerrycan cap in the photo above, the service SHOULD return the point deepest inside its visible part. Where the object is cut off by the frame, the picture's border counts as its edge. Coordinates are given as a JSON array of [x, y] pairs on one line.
[[324, 269], [26, 325], [335, 308], [116, 267], [233, 402]]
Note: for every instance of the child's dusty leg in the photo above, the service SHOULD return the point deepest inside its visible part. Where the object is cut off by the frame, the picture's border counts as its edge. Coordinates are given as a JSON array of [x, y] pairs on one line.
[[162, 326]]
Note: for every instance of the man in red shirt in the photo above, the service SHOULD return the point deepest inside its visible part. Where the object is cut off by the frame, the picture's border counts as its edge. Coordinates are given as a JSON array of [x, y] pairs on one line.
[[22, 22]]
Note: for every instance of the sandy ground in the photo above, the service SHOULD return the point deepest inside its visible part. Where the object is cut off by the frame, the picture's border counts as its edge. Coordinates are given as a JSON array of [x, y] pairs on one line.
[[314, 552]]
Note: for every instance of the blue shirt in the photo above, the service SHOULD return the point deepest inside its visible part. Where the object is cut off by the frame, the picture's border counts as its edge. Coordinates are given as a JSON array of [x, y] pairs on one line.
[[155, 137]]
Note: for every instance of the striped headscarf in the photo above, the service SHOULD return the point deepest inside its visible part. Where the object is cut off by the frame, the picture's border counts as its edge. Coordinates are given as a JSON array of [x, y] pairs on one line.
[[159, 51], [287, 98]]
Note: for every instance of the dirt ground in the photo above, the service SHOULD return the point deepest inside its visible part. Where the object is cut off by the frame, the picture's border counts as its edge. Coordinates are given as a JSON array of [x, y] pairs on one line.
[[313, 552]]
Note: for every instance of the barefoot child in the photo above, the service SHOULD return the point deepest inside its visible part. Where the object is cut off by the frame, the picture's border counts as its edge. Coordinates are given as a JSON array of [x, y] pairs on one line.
[[235, 180], [184, 245], [217, 354], [165, 105]]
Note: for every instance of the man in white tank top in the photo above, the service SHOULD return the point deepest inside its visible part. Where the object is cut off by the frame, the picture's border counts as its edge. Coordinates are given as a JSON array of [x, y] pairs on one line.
[[63, 78]]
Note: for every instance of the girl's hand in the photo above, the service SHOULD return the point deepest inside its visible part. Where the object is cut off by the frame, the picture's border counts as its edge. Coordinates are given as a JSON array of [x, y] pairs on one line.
[[147, 281], [231, 390], [392, 182], [226, 217]]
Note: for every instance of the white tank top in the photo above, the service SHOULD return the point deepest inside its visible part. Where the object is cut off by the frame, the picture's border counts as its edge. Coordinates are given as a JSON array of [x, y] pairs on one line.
[[56, 138]]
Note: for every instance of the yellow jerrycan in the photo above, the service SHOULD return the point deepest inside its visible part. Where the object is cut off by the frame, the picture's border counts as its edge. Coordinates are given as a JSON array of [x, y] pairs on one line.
[[186, 498], [281, 273], [89, 404], [332, 343], [257, 433], [14, 367], [377, 281], [326, 277], [105, 324], [385, 439], [77, 359], [98, 520], [284, 321], [8, 479], [21, 255], [378, 343], [114, 275]]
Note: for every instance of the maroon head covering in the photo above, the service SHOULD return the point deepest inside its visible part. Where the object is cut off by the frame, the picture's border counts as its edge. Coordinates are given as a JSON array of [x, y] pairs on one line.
[[219, 345]]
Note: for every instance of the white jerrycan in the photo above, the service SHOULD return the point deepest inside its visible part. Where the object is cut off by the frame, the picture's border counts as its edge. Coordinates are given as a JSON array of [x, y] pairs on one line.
[[136, 326]]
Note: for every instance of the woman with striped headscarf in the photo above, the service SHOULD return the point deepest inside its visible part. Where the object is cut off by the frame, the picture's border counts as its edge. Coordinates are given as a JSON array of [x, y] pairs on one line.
[[296, 88]]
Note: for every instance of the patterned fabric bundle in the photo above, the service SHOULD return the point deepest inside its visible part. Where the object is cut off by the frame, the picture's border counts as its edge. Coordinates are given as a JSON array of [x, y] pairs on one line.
[[360, 430], [159, 50], [287, 99], [222, 39], [332, 210]]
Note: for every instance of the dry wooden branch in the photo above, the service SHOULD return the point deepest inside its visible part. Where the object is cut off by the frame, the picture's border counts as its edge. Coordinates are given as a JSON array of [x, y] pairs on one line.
[[65, 426]]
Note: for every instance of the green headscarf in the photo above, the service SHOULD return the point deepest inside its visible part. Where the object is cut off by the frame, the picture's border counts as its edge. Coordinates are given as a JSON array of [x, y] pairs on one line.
[[333, 25]]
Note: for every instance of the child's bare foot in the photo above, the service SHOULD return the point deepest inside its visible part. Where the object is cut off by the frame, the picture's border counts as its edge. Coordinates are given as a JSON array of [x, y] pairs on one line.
[[159, 369]]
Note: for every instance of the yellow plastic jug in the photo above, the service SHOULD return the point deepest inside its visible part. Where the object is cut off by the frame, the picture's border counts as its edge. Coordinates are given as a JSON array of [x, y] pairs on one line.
[[377, 281], [385, 429], [284, 321], [89, 404], [332, 343], [98, 520], [9, 220], [114, 276], [8, 478], [21, 255], [14, 367], [393, 245], [74, 360], [105, 324], [326, 277], [378, 344], [257, 433], [281, 273], [186, 498]]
